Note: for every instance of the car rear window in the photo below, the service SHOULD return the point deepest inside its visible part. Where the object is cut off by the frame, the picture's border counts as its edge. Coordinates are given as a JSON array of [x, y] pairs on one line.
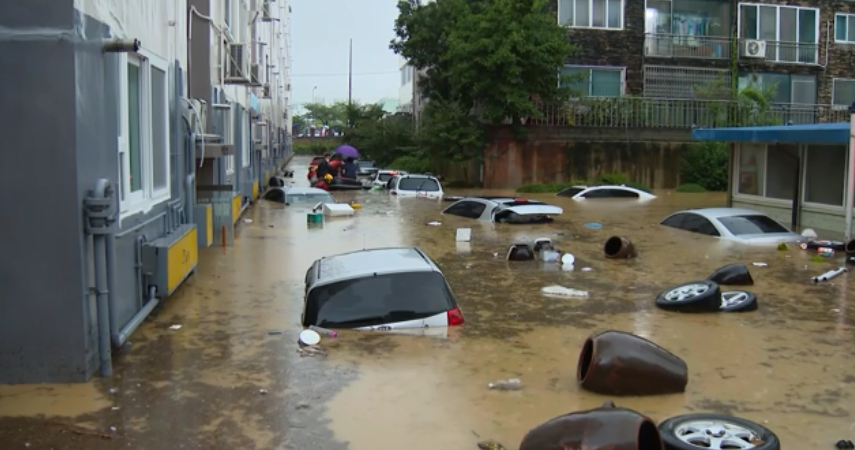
[[309, 198], [569, 192], [418, 184], [379, 299], [384, 176], [755, 224]]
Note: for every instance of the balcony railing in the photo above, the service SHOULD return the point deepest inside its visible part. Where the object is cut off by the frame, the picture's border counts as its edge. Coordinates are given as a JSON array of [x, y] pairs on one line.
[[785, 52], [638, 112], [682, 46]]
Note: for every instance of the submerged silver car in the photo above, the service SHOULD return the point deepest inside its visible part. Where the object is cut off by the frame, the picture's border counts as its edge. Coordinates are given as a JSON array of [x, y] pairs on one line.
[[733, 224]]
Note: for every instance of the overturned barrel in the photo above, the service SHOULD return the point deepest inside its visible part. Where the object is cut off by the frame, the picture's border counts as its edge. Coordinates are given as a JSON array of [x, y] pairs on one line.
[[604, 428], [520, 252], [619, 247], [618, 363], [735, 274]]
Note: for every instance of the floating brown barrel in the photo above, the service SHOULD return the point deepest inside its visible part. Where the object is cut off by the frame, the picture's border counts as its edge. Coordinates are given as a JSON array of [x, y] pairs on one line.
[[618, 363], [619, 247], [735, 274], [604, 428]]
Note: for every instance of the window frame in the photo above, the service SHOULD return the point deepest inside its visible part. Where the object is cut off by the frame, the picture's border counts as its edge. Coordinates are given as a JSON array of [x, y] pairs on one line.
[[834, 87], [848, 17], [144, 200], [590, 69], [778, 7], [762, 199], [246, 139], [590, 16]]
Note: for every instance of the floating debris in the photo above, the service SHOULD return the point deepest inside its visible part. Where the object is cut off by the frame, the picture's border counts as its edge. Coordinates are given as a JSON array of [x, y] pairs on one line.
[[175, 327]]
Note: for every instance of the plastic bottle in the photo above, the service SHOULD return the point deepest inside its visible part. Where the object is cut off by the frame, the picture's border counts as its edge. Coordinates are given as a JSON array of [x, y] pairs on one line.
[[511, 384], [323, 331]]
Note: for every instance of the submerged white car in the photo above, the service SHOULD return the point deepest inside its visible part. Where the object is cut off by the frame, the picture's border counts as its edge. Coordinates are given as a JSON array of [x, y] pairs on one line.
[[382, 289], [733, 224], [581, 192], [382, 177], [412, 185], [504, 210]]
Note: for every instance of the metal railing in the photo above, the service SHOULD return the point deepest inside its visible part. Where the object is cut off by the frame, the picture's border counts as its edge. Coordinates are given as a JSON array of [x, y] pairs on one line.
[[682, 46], [639, 112], [786, 52]]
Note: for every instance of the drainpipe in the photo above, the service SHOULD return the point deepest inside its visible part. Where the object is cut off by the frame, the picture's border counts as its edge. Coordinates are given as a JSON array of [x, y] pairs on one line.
[[100, 217], [120, 338], [850, 176]]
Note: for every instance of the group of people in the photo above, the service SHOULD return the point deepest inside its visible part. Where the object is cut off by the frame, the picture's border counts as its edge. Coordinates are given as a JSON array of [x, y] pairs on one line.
[[332, 167]]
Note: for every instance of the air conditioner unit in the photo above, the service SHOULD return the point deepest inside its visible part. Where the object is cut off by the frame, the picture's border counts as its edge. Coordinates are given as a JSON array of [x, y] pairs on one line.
[[265, 11], [265, 91], [237, 67], [754, 48]]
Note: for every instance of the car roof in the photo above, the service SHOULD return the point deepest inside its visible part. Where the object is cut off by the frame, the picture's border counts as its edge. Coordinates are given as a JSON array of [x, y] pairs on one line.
[[370, 262], [304, 190], [416, 175], [507, 201], [716, 213]]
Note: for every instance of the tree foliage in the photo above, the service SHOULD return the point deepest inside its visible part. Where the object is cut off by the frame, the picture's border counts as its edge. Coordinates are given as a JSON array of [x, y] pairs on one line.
[[484, 61], [705, 164]]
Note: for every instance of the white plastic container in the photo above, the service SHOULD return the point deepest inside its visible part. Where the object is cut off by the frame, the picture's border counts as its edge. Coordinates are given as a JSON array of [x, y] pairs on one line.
[[338, 210], [464, 235]]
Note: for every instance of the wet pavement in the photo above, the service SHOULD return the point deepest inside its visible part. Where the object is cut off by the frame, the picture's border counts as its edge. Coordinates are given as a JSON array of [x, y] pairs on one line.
[[227, 380]]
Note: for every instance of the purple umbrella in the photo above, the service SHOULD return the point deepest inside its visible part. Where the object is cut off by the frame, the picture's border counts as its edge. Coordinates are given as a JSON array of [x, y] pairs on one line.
[[347, 151]]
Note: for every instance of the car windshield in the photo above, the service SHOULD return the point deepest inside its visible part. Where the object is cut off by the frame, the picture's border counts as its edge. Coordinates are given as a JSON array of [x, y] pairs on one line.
[[570, 192], [309, 198], [385, 177], [753, 224], [418, 184], [380, 299]]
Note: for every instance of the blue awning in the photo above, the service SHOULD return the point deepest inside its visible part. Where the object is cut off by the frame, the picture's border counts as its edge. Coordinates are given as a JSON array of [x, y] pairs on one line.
[[820, 133]]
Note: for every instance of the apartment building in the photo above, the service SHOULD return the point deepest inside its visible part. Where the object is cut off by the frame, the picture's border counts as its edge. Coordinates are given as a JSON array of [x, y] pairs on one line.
[[133, 134], [675, 48]]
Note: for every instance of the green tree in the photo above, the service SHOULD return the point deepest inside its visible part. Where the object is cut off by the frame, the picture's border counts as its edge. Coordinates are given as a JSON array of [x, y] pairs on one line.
[[705, 164], [324, 115], [381, 138], [299, 124]]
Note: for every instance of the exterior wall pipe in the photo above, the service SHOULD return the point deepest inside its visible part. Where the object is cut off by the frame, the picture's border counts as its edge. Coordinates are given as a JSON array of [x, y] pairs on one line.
[[850, 176], [121, 338], [100, 211]]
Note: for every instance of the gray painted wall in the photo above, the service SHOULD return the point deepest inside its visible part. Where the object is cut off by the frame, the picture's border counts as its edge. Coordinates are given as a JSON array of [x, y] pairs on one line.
[[199, 55], [48, 326], [42, 309]]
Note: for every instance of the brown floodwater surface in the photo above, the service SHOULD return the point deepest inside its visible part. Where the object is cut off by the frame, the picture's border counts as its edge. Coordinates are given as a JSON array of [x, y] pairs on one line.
[[224, 380]]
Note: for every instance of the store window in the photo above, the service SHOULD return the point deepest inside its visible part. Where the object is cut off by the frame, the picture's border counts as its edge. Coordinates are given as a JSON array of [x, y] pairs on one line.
[[752, 169], [782, 165], [825, 174]]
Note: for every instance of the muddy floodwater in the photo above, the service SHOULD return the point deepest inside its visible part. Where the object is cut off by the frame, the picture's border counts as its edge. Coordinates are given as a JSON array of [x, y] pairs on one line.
[[228, 379]]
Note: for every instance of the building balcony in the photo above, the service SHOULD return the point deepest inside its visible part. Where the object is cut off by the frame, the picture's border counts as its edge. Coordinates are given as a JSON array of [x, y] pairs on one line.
[[688, 47], [640, 112], [779, 51]]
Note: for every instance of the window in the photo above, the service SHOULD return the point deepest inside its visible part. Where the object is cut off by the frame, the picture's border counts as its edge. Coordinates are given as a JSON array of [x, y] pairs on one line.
[[782, 164], [675, 221], [825, 174], [472, 210], [594, 81], [683, 82], [143, 133], [688, 28], [605, 14], [756, 224], [791, 33], [418, 184], [788, 89], [570, 192], [610, 193], [843, 91], [752, 168], [229, 138], [379, 299], [844, 28], [698, 224], [246, 141]]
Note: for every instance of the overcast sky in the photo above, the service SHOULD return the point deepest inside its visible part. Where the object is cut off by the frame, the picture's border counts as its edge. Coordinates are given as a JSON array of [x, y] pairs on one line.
[[320, 30]]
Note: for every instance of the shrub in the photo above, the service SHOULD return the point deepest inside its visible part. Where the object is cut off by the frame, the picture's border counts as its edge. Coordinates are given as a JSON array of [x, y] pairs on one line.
[[411, 164], [316, 148], [613, 178], [690, 188], [705, 164], [540, 188]]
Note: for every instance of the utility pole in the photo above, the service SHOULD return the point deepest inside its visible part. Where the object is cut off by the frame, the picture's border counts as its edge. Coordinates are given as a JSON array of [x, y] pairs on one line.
[[349, 82]]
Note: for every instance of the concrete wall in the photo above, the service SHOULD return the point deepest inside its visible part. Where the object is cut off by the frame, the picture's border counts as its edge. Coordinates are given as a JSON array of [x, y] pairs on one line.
[[48, 325], [555, 154], [42, 336]]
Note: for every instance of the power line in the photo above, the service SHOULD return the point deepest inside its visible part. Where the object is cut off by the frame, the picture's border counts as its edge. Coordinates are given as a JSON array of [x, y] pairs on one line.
[[342, 74]]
